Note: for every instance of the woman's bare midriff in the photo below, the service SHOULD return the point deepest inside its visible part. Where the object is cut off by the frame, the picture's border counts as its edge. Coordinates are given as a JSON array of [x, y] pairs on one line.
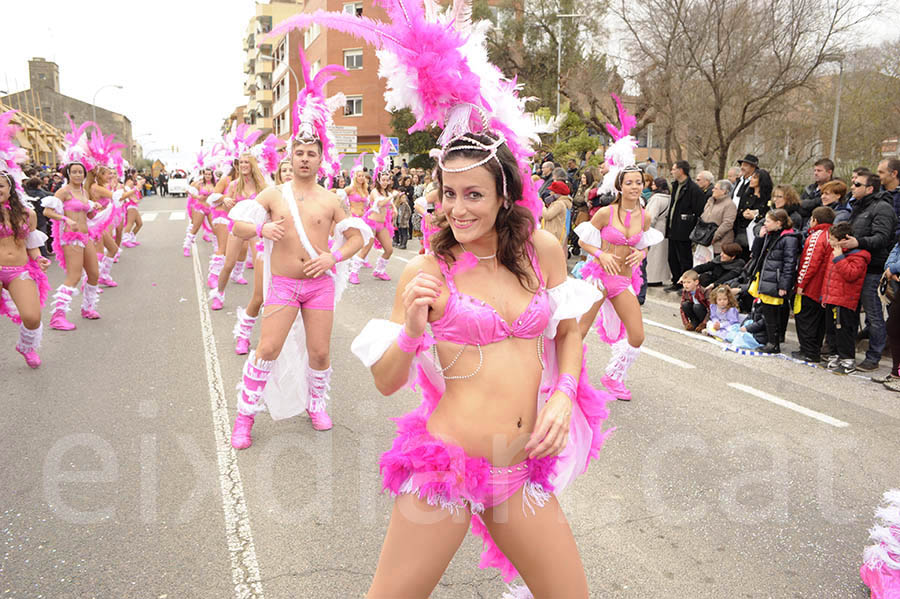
[[493, 413], [12, 252], [80, 219]]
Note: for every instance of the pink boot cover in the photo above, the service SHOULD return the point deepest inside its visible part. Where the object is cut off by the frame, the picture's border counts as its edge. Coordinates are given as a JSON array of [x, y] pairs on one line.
[[216, 262], [243, 328], [623, 357], [106, 263], [250, 391], [237, 274], [62, 301], [89, 300], [380, 271], [216, 299], [319, 382], [881, 562], [29, 342]]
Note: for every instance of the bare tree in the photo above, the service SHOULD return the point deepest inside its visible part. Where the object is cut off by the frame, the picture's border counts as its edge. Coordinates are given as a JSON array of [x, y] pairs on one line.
[[734, 61]]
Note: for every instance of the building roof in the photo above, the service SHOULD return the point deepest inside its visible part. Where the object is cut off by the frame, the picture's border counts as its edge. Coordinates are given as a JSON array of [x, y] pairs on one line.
[[37, 136]]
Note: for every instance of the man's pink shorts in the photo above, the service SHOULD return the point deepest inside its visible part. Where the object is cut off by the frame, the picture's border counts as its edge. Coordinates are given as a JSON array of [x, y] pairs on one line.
[[313, 294]]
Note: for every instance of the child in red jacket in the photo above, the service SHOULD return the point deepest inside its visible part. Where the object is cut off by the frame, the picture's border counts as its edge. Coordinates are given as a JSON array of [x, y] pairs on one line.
[[810, 320], [694, 305], [840, 296]]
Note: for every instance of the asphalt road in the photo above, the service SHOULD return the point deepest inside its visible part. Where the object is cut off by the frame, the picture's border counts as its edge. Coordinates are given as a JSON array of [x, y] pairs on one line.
[[727, 476]]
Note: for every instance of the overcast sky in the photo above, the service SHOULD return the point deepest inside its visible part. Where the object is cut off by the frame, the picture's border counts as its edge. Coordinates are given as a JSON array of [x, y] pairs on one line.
[[180, 62]]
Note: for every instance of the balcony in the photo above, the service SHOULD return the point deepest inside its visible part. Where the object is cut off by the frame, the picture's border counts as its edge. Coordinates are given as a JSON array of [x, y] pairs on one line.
[[279, 71], [264, 96], [281, 104], [263, 66]]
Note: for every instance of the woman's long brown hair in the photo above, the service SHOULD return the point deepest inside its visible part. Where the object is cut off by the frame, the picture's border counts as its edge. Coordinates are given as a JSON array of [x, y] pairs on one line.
[[18, 215], [514, 225]]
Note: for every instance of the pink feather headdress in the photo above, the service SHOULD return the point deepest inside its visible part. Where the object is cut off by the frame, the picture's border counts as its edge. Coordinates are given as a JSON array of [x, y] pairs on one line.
[[381, 158], [435, 63], [620, 154], [357, 166], [267, 154], [75, 148], [312, 113], [104, 151], [235, 144], [11, 155]]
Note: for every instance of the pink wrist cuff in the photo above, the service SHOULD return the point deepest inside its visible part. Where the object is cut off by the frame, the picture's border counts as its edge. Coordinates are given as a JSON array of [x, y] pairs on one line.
[[259, 230], [567, 385], [337, 256], [412, 345]]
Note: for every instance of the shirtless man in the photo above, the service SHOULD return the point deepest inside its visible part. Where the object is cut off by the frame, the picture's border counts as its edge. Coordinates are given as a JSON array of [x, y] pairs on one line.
[[301, 281]]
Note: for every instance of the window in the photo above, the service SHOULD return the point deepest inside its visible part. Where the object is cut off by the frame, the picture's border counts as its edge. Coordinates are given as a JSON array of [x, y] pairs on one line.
[[310, 35], [353, 59], [315, 68], [354, 106], [354, 8]]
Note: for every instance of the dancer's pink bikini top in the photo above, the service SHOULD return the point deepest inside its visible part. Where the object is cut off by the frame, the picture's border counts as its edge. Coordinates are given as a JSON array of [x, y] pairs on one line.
[[617, 237], [76, 205], [7, 231], [469, 321], [353, 197]]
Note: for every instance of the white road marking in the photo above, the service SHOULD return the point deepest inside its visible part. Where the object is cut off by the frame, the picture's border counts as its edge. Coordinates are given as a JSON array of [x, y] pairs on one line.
[[665, 358], [696, 336], [244, 566], [149, 217], [790, 405], [401, 259], [177, 215]]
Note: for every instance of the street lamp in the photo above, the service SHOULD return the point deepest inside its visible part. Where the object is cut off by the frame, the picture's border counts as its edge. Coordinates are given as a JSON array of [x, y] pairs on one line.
[[559, 19], [837, 109], [94, 101]]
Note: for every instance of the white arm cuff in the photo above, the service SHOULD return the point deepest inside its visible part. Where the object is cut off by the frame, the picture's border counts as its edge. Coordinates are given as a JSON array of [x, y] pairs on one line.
[[570, 299], [650, 237], [35, 239], [353, 222], [53, 203], [215, 199], [193, 190], [249, 212], [589, 234]]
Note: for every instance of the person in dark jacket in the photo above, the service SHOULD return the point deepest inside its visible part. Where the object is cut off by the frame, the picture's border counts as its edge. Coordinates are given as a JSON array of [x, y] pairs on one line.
[[685, 209], [873, 222], [694, 304], [834, 196], [811, 198], [777, 272], [35, 194], [844, 281], [727, 266]]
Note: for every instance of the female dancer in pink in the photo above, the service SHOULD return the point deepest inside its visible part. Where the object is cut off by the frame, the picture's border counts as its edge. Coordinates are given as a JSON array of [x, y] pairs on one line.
[[70, 209], [617, 242], [220, 222], [246, 319], [198, 207], [508, 416], [133, 220], [23, 284], [378, 218], [358, 200], [102, 227], [249, 183]]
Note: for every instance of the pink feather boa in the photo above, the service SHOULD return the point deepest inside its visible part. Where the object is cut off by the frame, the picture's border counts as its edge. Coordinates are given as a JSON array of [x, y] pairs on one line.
[[60, 236], [8, 308]]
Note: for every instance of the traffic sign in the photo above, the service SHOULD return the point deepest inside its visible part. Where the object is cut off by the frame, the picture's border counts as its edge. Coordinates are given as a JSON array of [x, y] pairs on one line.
[[395, 145], [345, 138]]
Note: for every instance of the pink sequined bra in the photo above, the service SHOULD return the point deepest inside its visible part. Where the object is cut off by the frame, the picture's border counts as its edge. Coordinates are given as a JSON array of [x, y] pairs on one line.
[[7, 231], [76, 205], [617, 237], [470, 321]]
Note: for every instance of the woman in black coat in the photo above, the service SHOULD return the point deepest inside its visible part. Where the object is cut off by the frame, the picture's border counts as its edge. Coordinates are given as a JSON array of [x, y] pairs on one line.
[[777, 271]]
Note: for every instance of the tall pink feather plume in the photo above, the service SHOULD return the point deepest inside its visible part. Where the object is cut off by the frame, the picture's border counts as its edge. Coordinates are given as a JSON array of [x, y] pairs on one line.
[[11, 155], [627, 121], [104, 150], [269, 156], [76, 149], [312, 110], [382, 157], [357, 164]]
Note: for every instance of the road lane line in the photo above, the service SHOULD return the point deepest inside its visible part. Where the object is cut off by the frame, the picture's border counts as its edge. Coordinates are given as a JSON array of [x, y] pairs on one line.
[[149, 217], [401, 259], [665, 358], [244, 566], [177, 215], [696, 336], [790, 405]]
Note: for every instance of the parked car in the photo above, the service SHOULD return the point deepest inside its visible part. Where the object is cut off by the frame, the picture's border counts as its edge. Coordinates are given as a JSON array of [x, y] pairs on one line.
[[178, 183]]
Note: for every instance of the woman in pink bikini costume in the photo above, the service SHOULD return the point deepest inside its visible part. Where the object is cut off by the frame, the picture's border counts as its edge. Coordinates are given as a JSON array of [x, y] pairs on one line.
[[358, 200], [102, 226], [613, 238], [70, 210], [378, 217], [508, 416], [246, 319], [23, 284], [248, 184], [133, 220], [198, 208]]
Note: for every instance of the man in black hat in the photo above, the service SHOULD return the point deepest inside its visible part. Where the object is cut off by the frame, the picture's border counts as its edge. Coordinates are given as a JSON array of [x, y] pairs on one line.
[[743, 197]]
